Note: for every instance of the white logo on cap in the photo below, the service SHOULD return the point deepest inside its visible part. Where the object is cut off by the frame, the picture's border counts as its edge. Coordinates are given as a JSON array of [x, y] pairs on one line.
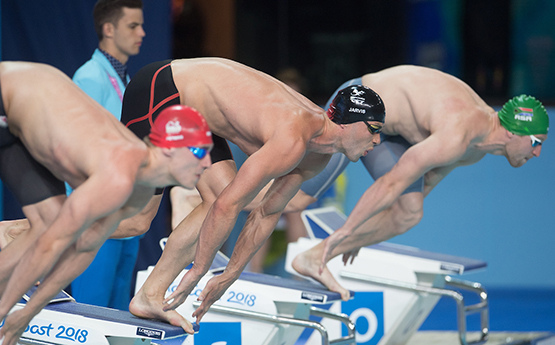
[[173, 130], [357, 110], [355, 97], [357, 92], [173, 127]]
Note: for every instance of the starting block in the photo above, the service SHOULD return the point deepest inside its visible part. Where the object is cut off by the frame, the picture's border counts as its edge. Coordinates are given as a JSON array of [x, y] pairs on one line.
[[396, 286], [64, 321], [260, 309]]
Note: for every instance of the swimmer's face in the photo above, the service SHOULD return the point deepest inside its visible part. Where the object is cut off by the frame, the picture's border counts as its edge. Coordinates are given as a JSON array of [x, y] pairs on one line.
[[187, 168], [364, 136], [128, 33], [524, 147]]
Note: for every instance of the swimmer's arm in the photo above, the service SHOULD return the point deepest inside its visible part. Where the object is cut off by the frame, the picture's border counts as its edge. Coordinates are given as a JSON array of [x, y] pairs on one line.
[[262, 220], [271, 161], [84, 206], [298, 203], [438, 150], [75, 259], [139, 223], [68, 267], [258, 199], [434, 176], [274, 159]]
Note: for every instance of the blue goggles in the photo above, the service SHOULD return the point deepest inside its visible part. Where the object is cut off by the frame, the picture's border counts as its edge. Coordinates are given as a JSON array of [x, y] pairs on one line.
[[198, 152], [535, 141]]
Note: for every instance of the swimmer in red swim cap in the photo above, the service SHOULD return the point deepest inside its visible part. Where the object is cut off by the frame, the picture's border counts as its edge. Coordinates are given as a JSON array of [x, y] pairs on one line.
[[182, 126]]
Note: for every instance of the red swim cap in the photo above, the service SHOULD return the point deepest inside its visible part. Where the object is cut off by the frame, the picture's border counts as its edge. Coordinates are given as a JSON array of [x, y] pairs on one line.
[[180, 126]]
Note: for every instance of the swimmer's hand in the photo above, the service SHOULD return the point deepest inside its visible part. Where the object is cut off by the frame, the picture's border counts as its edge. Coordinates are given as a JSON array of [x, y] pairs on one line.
[[211, 293], [185, 287], [329, 245], [352, 255], [14, 326]]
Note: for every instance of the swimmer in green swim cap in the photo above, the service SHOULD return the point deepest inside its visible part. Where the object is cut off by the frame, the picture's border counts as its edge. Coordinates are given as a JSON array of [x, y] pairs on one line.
[[524, 115]]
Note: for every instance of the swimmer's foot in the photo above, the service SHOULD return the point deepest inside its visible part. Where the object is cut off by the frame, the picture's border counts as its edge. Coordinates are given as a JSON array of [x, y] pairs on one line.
[[308, 263], [10, 229], [145, 307]]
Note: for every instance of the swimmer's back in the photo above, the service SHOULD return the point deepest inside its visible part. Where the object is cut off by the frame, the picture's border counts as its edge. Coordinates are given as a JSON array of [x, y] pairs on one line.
[[61, 126], [418, 99], [238, 101]]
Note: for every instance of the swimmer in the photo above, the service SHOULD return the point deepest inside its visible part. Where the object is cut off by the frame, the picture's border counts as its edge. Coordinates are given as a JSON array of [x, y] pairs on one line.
[[435, 123], [287, 138], [55, 133]]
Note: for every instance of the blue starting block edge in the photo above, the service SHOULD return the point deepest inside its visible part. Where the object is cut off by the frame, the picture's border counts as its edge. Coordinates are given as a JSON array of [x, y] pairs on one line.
[[62, 296], [64, 303], [323, 222], [116, 316], [446, 260]]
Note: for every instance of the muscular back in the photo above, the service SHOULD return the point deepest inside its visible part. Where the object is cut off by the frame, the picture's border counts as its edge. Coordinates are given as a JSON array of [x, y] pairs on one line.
[[420, 101], [243, 105], [64, 129]]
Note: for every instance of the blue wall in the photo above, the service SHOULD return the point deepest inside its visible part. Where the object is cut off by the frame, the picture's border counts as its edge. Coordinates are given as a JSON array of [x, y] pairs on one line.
[[61, 33], [488, 211]]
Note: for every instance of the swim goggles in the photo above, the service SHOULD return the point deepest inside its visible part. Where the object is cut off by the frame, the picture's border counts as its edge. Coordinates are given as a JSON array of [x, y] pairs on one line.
[[535, 141], [375, 129], [198, 152]]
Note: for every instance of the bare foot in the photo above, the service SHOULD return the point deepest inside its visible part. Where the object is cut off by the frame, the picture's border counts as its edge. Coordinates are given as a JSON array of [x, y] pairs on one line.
[[151, 308], [10, 229], [307, 263]]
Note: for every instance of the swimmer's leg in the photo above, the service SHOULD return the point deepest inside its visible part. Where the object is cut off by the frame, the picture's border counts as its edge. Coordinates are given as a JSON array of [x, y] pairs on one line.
[[10, 229], [180, 249], [40, 216], [405, 213]]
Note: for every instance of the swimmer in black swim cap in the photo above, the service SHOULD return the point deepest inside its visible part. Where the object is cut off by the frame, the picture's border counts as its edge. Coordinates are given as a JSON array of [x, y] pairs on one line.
[[357, 103]]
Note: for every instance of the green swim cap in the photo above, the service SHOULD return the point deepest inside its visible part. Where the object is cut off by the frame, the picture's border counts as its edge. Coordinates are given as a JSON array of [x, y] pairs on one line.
[[524, 115]]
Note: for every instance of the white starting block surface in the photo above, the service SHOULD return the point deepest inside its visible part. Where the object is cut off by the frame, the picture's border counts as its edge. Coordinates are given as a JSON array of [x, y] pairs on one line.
[[65, 321], [259, 309], [396, 286]]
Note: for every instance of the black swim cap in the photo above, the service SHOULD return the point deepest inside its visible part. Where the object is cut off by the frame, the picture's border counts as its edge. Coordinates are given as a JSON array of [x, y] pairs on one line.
[[356, 103]]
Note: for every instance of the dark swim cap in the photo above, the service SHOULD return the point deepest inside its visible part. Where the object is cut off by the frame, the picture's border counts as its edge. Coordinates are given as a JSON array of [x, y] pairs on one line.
[[356, 103], [524, 115]]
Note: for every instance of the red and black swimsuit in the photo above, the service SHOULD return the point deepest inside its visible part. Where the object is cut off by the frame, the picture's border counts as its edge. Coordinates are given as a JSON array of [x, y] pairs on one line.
[[151, 90]]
